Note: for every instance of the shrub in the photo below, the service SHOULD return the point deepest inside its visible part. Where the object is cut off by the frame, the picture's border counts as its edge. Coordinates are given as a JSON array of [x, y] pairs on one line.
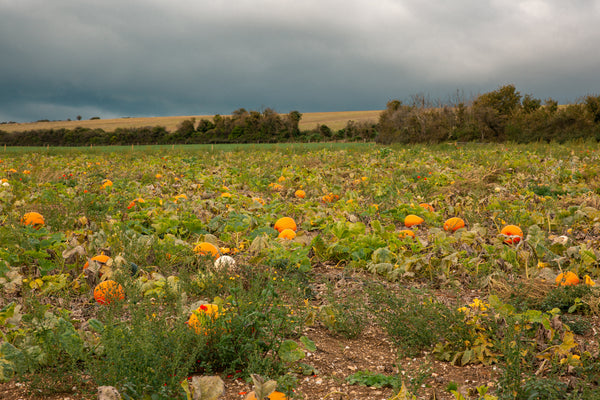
[[416, 321], [565, 297], [146, 348]]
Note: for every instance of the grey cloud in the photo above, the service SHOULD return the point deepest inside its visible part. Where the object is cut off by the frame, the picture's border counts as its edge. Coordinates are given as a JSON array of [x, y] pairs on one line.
[[111, 58]]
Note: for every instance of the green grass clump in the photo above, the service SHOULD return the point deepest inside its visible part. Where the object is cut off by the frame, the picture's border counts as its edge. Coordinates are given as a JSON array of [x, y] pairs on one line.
[[416, 321]]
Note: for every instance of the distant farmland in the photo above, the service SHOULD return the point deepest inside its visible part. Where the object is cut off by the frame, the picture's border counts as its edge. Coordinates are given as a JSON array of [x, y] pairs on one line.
[[334, 120]]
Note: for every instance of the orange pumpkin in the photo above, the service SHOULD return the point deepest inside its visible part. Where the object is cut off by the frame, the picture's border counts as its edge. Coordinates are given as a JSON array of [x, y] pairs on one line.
[[330, 198], [514, 233], [300, 194], [108, 291], [567, 279], [206, 249], [36, 220], [406, 233], [102, 259], [427, 206], [285, 223], [273, 396], [453, 224], [412, 220], [287, 234]]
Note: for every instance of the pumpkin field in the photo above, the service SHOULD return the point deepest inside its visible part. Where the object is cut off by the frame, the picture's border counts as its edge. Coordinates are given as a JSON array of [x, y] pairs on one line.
[[315, 271]]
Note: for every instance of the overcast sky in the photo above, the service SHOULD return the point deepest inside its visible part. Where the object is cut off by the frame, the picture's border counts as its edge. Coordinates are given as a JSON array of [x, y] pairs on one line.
[[117, 58]]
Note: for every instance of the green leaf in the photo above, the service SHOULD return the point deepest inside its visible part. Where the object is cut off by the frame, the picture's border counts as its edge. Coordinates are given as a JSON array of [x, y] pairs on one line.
[[69, 338], [96, 325], [588, 257], [46, 266], [308, 344], [290, 351], [8, 311], [307, 370], [377, 227], [15, 356], [502, 308], [4, 268], [467, 357], [371, 379], [457, 395], [7, 370], [382, 255]]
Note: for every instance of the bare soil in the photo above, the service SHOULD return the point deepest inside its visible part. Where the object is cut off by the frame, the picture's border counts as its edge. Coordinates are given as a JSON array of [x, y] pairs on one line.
[[337, 357]]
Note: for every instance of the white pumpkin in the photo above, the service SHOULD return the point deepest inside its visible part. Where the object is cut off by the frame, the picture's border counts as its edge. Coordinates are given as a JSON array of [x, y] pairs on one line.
[[224, 262]]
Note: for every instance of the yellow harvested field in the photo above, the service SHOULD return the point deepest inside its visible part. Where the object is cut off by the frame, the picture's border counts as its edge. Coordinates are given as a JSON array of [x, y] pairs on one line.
[[334, 120], [337, 120]]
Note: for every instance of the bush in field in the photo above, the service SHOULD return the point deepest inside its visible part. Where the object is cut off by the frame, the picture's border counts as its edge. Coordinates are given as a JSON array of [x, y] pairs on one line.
[[592, 106], [250, 127], [416, 123], [85, 136], [357, 131]]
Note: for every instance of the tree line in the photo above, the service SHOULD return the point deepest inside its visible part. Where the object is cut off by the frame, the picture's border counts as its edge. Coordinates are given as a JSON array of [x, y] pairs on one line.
[[241, 126], [500, 115]]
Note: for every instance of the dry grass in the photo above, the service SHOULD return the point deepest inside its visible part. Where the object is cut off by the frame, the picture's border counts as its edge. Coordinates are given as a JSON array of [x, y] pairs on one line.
[[334, 120], [533, 290]]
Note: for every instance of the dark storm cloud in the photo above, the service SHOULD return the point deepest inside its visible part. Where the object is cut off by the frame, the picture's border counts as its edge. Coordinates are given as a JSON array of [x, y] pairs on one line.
[[62, 58]]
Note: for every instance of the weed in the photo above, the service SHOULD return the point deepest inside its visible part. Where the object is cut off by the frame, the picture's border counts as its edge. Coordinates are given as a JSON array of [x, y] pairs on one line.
[[416, 379], [543, 389], [344, 316], [451, 386], [576, 324], [375, 380], [565, 297], [146, 348], [518, 352], [416, 321]]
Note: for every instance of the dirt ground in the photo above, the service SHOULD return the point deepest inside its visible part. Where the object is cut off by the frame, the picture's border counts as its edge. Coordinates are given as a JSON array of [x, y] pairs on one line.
[[336, 358]]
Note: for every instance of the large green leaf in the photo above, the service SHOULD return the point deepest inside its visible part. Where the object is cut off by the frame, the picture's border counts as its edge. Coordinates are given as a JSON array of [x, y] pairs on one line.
[[290, 351]]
